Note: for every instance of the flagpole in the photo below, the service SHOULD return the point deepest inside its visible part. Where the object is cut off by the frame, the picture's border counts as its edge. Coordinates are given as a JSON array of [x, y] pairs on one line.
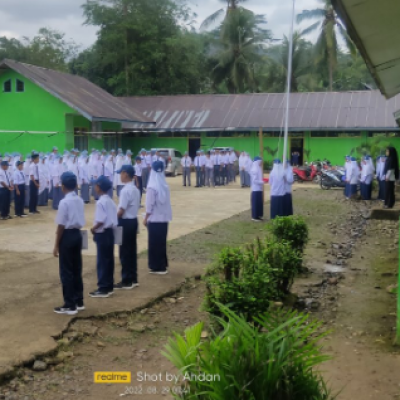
[[289, 82]]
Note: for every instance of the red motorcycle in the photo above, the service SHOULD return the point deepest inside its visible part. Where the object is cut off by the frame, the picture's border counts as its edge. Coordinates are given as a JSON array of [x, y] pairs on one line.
[[306, 174]]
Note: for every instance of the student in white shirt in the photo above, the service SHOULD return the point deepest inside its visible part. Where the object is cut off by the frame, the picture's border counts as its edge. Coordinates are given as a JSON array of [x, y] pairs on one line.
[[287, 198], [109, 172], [209, 170], [138, 170], [197, 165], [68, 246], [129, 202], [119, 162], [84, 180], [43, 197], [27, 178], [257, 190], [232, 159], [186, 163], [56, 172], [19, 186], [203, 168], [105, 221], [6, 187], [278, 189], [34, 184]]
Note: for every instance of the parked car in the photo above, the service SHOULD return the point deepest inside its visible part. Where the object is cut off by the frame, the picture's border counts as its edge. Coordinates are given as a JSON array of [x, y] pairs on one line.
[[236, 165], [172, 159]]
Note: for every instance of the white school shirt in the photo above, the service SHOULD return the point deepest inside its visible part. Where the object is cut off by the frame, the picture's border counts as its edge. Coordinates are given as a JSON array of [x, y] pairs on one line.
[[138, 169], [19, 177], [197, 162], [71, 212], [209, 163], [232, 157], [217, 160], [289, 180], [212, 156], [148, 160], [5, 177], [83, 173], [129, 200], [186, 162], [203, 161], [106, 212], [227, 159], [26, 172], [34, 170]]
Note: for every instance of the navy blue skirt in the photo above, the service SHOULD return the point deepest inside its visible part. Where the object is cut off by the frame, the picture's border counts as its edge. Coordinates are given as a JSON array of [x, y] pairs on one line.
[[57, 197], [347, 190], [277, 206], [288, 204], [158, 231], [381, 195], [85, 195], [257, 206], [353, 190]]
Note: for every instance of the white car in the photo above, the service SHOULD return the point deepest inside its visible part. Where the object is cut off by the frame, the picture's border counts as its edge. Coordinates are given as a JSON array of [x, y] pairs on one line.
[[172, 159]]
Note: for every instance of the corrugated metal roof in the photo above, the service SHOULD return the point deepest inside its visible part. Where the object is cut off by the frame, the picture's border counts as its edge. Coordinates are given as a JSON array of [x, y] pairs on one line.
[[83, 96], [374, 27], [311, 111]]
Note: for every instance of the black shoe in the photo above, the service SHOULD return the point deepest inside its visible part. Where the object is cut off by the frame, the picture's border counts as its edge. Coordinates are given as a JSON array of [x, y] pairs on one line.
[[126, 286], [66, 310], [100, 293], [184, 185], [9, 217], [80, 306]]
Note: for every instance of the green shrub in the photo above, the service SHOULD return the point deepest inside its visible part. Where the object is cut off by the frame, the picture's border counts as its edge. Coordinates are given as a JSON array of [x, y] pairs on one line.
[[291, 229], [247, 363], [247, 280]]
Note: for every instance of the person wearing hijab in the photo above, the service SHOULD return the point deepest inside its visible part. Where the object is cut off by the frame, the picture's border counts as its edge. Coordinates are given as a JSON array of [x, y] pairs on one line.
[[56, 172], [34, 183], [380, 176], [354, 177], [68, 246], [367, 174], [128, 207], [257, 190], [119, 162], [197, 165], [278, 189], [391, 172], [247, 165], [186, 163], [44, 185], [19, 186], [287, 198], [139, 175], [209, 167], [158, 216], [84, 179], [242, 169], [105, 220], [108, 169], [347, 168], [27, 164]]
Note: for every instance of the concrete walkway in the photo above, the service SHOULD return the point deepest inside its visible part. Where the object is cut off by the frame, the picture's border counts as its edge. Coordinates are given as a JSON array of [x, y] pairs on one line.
[[30, 287]]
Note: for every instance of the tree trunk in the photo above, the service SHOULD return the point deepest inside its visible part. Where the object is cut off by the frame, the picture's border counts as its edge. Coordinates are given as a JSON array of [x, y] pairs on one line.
[[126, 52], [330, 76]]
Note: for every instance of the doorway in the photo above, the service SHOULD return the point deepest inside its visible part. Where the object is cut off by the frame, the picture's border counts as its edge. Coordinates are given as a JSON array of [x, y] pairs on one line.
[[296, 151], [194, 145]]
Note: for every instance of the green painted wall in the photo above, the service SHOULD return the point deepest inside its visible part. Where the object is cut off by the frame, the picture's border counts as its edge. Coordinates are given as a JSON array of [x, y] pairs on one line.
[[32, 110], [153, 142]]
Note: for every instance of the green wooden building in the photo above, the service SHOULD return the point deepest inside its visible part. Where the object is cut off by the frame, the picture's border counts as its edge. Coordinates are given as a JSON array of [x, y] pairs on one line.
[[40, 108]]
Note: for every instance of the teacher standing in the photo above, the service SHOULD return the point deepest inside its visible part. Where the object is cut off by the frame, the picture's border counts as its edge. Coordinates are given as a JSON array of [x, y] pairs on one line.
[[158, 216]]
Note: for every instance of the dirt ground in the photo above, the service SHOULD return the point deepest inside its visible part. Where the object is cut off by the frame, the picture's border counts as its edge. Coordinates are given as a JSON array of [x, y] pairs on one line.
[[351, 260]]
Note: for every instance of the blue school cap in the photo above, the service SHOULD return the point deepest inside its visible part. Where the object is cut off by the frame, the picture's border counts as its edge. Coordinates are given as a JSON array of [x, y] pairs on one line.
[[353, 159], [277, 161], [69, 180], [18, 163], [128, 153], [128, 169], [158, 166], [104, 183], [257, 158], [138, 158], [34, 156], [5, 164]]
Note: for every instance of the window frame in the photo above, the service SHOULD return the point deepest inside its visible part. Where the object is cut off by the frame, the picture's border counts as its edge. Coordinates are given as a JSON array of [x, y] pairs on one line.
[[8, 81], [18, 81]]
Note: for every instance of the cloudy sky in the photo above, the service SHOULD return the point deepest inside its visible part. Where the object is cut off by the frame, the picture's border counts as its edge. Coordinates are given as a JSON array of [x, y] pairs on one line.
[[25, 17]]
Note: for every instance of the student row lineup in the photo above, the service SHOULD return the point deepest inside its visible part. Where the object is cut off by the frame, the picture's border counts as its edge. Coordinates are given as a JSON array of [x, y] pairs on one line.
[[108, 217], [37, 179], [386, 173]]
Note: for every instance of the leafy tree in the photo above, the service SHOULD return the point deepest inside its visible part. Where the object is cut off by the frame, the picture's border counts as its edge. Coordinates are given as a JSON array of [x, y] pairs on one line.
[[217, 15], [331, 28], [144, 47]]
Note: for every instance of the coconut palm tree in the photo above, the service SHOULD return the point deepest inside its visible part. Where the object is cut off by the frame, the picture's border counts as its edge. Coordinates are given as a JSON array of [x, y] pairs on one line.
[[230, 5], [331, 28], [240, 48]]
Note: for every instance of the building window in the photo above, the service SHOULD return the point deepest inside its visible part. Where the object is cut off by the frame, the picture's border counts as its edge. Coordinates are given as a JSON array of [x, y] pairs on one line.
[[7, 86], [81, 139], [110, 142], [384, 134], [272, 134], [165, 134], [20, 86], [333, 134], [180, 134]]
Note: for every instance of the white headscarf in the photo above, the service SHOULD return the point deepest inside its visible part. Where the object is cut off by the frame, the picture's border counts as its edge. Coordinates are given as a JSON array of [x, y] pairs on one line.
[[277, 170], [158, 183], [256, 170]]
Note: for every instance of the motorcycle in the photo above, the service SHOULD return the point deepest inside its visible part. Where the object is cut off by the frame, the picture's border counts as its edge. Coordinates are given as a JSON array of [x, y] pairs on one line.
[[306, 174], [332, 178]]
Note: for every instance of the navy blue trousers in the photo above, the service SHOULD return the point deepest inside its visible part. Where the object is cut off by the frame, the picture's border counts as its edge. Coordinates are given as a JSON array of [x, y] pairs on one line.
[[366, 191], [287, 204], [198, 176], [140, 183], [128, 250], [70, 262], [57, 197], [257, 206], [105, 260], [158, 231], [217, 175], [19, 201], [277, 207], [352, 190], [5, 200], [33, 196]]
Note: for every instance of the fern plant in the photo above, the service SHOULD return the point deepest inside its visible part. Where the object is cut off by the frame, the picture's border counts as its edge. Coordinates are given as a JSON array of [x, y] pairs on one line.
[[244, 362]]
